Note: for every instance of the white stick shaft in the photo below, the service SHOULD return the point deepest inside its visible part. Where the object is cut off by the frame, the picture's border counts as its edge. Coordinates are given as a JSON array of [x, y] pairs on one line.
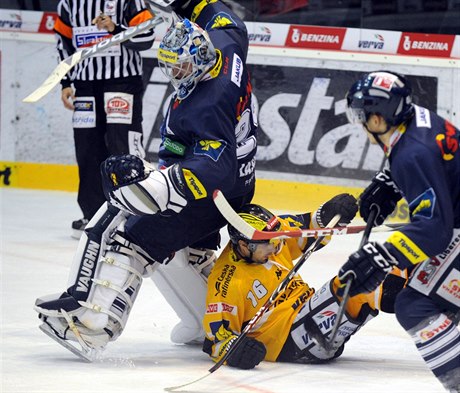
[[67, 64]]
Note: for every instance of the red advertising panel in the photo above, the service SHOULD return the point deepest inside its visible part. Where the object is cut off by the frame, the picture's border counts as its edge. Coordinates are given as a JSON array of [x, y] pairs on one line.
[[315, 37], [47, 22], [417, 44]]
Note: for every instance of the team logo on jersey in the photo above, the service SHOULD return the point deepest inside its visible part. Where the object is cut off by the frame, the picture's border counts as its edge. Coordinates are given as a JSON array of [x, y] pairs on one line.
[[220, 330], [448, 142], [424, 204], [211, 148], [222, 19]]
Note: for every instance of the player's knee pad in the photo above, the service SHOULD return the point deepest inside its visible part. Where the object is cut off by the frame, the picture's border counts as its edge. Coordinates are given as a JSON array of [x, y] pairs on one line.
[[183, 283], [315, 322], [105, 279]]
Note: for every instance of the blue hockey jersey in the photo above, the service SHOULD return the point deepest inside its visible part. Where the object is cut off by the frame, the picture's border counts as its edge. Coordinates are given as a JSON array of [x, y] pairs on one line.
[[212, 133], [425, 165]]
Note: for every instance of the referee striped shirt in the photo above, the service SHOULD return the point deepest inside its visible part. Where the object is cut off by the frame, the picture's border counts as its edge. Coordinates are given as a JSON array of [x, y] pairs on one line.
[[75, 16]]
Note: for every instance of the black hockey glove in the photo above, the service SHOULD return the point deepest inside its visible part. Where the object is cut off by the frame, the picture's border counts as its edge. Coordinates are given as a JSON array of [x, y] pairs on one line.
[[119, 171], [368, 266], [382, 194], [343, 204], [248, 354]]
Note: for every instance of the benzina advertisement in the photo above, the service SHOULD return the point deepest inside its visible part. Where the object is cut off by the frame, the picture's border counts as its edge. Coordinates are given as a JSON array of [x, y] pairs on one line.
[[302, 124]]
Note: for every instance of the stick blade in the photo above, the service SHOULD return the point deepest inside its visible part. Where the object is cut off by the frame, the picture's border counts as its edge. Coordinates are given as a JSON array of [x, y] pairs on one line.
[[56, 76], [231, 216]]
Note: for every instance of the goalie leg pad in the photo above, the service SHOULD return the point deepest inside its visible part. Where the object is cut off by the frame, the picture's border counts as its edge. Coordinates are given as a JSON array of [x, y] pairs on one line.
[[104, 282], [315, 322], [183, 283]]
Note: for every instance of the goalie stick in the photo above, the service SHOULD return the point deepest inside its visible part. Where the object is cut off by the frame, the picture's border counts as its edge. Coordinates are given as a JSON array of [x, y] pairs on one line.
[[68, 63], [270, 301], [251, 233]]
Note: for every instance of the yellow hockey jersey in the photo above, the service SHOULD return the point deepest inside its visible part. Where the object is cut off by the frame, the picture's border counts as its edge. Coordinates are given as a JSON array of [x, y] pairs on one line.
[[237, 290]]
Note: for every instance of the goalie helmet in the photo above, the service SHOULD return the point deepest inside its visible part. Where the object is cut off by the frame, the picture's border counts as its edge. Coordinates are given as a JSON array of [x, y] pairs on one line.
[[383, 93], [259, 218], [185, 54]]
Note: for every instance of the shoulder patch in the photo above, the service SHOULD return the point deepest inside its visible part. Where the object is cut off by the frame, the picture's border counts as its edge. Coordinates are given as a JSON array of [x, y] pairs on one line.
[[211, 148], [422, 117], [424, 204], [220, 20], [237, 70]]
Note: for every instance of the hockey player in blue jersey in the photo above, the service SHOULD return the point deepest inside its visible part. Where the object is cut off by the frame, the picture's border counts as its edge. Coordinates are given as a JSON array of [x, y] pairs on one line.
[[161, 221], [424, 168]]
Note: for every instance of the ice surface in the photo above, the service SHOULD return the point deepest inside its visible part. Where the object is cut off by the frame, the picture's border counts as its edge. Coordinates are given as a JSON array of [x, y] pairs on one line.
[[36, 252]]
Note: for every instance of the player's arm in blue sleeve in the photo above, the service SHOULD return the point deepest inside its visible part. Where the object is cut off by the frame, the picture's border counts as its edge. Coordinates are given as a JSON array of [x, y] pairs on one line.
[[422, 174]]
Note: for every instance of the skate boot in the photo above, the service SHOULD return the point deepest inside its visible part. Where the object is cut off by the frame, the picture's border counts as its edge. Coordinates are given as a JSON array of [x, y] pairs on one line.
[[78, 226], [59, 314]]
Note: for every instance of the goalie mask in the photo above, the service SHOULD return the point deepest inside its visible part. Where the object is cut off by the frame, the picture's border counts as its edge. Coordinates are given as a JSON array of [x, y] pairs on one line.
[[185, 54], [383, 93], [261, 219]]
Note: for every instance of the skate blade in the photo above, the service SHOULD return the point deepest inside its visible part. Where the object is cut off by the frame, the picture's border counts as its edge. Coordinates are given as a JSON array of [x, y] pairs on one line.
[[86, 356]]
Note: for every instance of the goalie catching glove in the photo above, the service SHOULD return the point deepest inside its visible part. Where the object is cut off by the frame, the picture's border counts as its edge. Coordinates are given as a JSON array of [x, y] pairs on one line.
[[343, 204], [382, 194], [368, 267], [134, 186]]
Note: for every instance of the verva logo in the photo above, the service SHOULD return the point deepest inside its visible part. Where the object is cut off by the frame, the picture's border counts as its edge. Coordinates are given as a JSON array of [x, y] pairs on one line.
[[47, 22], [315, 37], [417, 44]]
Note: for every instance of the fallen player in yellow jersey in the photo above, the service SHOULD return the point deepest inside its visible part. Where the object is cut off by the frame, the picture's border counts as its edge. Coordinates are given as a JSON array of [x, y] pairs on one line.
[[246, 274]]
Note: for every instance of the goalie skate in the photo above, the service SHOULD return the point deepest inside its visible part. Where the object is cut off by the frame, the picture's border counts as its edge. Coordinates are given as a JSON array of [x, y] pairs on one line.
[[83, 354]]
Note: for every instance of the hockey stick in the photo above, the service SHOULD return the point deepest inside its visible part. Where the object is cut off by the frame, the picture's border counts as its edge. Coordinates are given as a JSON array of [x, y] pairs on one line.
[[251, 233], [345, 297], [67, 64], [270, 301]]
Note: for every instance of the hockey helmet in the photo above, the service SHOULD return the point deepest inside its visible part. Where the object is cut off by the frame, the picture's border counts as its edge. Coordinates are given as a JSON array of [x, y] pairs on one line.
[[384, 93], [185, 54], [259, 218]]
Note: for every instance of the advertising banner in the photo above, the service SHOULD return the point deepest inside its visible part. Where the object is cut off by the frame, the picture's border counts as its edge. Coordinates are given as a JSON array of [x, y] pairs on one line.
[[302, 124]]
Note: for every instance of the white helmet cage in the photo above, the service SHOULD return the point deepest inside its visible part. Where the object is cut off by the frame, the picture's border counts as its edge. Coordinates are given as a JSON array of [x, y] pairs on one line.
[[185, 54]]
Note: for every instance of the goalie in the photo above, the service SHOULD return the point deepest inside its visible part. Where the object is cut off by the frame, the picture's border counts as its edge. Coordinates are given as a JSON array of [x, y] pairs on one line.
[[301, 319], [162, 222]]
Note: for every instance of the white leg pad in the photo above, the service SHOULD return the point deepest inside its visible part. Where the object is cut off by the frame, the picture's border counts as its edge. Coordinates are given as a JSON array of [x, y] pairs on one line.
[[117, 282], [184, 286]]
